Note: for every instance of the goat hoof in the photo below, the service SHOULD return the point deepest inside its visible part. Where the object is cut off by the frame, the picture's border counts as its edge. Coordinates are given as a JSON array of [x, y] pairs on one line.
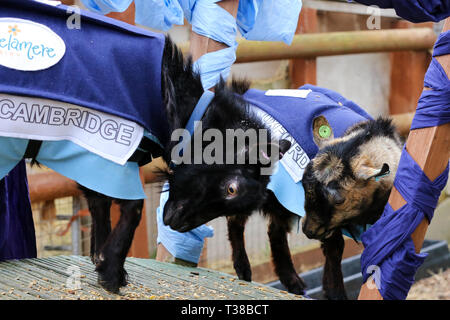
[[111, 280], [112, 283], [296, 286], [95, 259], [245, 275], [109, 286]]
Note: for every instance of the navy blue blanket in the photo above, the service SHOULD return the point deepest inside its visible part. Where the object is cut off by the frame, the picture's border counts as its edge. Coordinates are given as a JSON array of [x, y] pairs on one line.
[[415, 10], [108, 66]]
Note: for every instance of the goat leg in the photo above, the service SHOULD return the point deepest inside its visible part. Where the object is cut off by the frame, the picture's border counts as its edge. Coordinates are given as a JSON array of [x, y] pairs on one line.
[[236, 226], [111, 272], [281, 255], [333, 280], [99, 207]]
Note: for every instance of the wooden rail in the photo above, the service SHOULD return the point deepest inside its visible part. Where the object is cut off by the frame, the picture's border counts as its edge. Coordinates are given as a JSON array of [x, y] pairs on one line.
[[334, 43]]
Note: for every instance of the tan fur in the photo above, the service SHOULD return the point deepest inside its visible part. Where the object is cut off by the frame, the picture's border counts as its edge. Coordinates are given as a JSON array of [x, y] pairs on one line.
[[332, 169], [366, 164], [370, 159]]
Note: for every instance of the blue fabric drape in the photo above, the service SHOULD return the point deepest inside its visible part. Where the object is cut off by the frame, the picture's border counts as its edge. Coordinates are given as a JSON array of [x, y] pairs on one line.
[[268, 20], [415, 10], [17, 236], [434, 105], [129, 90], [388, 244], [187, 246]]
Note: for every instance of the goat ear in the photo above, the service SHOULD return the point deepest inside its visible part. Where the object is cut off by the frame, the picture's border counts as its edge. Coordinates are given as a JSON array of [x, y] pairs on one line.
[[384, 171], [265, 150], [281, 147], [284, 146], [322, 132], [366, 172]]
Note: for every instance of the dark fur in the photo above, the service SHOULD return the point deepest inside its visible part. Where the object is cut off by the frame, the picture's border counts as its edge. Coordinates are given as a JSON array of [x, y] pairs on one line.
[[181, 88]]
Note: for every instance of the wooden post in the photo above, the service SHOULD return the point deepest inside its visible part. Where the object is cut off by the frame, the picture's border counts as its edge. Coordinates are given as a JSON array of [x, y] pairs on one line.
[[139, 246], [430, 148], [408, 69], [303, 71]]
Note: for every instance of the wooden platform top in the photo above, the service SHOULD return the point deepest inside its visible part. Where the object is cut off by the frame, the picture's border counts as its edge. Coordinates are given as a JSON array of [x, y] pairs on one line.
[[74, 277]]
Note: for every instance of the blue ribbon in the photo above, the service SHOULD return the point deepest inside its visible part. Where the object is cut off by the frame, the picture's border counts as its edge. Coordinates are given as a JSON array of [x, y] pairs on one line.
[[433, 108], [210, 20], [265, 20], [196, 115]]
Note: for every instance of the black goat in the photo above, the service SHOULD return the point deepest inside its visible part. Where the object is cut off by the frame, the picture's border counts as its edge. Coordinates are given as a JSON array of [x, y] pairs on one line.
[[181, 89]]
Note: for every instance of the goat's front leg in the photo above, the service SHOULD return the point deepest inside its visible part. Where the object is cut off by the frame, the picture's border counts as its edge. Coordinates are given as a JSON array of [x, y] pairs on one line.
[[236, 226], [112, 274], [99, 207], [279, 227], [333, 280]]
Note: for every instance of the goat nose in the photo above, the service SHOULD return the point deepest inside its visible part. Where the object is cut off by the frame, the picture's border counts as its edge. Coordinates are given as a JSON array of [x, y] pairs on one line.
[[308, 233], [167, 215]]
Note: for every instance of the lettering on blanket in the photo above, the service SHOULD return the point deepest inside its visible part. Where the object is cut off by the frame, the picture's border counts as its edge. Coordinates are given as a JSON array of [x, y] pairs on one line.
[[29, 46], [109, 136], [295, 159]]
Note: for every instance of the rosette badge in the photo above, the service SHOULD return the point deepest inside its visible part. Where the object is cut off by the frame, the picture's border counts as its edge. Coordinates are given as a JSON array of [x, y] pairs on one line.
[[29, 46]]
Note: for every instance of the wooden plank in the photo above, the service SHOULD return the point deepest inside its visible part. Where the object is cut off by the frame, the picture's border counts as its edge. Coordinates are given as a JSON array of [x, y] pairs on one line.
[[47, 278], [430, 148]]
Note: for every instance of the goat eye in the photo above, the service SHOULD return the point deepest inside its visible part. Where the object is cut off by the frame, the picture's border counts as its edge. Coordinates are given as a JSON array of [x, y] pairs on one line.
[[232, 189]]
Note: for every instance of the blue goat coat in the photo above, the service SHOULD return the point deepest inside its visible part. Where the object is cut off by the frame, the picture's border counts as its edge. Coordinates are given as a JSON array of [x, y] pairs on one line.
[[297, 115]]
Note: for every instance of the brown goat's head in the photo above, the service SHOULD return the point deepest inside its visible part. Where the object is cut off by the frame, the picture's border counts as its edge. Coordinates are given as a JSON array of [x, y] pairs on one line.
[[349, 180]]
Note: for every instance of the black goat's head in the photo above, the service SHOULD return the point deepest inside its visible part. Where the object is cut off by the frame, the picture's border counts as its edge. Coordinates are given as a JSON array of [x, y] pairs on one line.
[[349, 180], [231, 175]]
